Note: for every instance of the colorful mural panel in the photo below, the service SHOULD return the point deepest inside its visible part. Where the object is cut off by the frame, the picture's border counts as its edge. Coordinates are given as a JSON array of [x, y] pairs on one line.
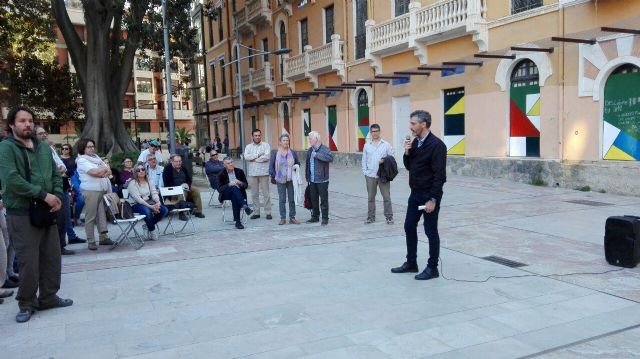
[[621, 117], [454, 117]]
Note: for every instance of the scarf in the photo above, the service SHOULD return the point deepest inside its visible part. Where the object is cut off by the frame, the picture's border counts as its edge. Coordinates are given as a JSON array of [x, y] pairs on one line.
[[284, 165], [105, 184]]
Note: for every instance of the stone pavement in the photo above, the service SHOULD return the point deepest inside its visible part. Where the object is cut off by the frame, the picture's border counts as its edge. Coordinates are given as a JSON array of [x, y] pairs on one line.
[[326, 292]]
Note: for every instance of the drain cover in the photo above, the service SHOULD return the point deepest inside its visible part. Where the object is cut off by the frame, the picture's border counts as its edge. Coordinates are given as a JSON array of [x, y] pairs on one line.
[[586, 202], [504, 261]]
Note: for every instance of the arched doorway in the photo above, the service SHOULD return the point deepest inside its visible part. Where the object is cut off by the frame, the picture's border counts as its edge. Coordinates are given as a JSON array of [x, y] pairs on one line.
[[524, 110], [621, 115], [363, 119]]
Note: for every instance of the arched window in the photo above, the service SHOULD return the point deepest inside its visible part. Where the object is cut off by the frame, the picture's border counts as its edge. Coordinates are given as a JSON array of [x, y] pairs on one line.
[[524, 113], [621, 125], [363, 100]]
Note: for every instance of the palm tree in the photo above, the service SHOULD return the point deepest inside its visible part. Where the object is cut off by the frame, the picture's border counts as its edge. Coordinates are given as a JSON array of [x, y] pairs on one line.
[[183, 134]]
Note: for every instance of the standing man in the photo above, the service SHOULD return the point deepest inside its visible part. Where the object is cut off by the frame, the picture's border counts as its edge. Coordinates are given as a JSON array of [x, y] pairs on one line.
[[258, 154], [154, 149], [426, 160], [38, 248], [317, 174], [372, 156], [43, 136]]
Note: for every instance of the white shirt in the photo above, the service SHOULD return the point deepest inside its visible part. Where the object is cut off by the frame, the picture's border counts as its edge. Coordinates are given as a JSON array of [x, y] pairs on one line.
[[88, 182], [144, 154], [258, 157], [57, 159], [371, 156], [155, 176]]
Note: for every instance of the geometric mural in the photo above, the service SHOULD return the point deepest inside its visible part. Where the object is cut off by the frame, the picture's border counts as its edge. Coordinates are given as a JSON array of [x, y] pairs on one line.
[[621, 115], [524, 111], [454, 121], [363, 119], [332, 121]]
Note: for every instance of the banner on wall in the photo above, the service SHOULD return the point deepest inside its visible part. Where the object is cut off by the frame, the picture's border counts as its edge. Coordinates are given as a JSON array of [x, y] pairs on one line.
[[621, 118]]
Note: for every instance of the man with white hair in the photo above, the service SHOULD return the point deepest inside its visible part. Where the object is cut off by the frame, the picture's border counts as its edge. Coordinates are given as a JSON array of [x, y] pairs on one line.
[[154, 171], [317, 174]]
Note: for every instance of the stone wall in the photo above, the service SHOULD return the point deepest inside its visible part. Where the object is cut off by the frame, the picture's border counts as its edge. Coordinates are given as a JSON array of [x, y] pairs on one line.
[[610, 176]]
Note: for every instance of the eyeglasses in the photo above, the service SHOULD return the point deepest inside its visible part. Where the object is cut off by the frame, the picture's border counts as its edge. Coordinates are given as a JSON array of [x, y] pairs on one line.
[[140, 170], [128, 161], [65, 149], [41, 133], [214, 154], [90, 146]]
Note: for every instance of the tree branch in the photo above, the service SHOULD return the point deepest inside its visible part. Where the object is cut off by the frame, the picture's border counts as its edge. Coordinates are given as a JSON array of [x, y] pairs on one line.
[[77, 48]]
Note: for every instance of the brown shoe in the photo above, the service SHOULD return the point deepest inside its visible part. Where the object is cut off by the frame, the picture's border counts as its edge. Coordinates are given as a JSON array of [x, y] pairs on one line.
[[293, 221], [106, 242], [93, 246], [282, 221]]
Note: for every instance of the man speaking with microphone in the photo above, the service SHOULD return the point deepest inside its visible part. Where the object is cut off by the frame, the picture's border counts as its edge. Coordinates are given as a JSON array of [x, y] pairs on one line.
[[426, 160]]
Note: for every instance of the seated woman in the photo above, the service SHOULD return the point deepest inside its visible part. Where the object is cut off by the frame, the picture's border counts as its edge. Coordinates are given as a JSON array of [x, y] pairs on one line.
[[127, 172], [144, 199]]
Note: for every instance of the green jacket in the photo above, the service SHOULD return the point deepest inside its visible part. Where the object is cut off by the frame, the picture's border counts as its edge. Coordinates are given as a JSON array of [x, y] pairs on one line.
[[45, 178]]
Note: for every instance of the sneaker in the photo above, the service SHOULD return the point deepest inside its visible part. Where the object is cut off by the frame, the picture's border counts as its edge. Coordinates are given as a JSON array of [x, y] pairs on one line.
[[93, 246], [390, 220], [24, 315], [153, 235], [77, 240], [370, 220], [67, 252], [255, 216]]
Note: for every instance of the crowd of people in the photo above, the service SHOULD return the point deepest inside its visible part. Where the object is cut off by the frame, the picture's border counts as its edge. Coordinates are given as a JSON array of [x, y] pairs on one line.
[[44, 193]]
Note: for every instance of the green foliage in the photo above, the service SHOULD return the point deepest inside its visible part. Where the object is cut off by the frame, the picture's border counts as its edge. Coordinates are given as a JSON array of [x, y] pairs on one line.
[[183, 134], [584, 189], [537, 176]]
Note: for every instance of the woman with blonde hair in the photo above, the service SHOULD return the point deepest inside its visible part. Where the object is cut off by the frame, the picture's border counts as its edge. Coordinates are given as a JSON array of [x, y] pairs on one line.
[[144, 199]]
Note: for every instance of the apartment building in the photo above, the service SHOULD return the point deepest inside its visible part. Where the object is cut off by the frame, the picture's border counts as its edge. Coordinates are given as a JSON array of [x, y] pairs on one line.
[[145, 102], [516, 88]]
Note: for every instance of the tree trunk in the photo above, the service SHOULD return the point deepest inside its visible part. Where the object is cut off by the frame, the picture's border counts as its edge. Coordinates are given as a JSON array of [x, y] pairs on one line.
[[101, 83]]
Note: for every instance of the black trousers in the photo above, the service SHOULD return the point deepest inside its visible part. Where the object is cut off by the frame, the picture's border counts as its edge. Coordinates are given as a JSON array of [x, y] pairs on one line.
[[38, 251], [319, 193], [430, 229], [234, 194]]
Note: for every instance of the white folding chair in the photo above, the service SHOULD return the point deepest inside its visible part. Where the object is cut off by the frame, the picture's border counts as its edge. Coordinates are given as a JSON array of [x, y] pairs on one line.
[[167, 192], [145, 230], [126, 226], [226, 204], [212, 201]]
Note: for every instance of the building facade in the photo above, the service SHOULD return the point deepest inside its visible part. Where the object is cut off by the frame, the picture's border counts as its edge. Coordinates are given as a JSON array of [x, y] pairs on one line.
[[145, 102], [544, 91]]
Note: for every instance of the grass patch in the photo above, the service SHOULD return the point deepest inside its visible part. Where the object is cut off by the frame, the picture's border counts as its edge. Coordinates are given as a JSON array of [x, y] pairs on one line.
[[584, 189]]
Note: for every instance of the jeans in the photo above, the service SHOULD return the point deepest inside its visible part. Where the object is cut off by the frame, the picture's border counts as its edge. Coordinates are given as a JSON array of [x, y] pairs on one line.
[[61, 222], [233, 194], [286, 190], [151, 219], [71, 234], [319, 199], [430, 228]]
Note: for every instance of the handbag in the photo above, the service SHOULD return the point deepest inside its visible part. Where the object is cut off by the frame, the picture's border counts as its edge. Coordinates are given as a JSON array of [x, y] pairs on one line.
[[40, 214], [126, 211], [307, 198]]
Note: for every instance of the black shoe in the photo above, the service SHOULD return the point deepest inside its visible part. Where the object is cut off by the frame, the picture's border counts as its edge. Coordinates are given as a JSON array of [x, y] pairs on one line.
[[10, 284], [324, 222], [60, 303], [269, 216], [313, 220], [183, 217], [428, 273], [239, 225], [77, 240], [14, 278], [248, 210], [199, 215], [24, 315], [67, 252], [406, 268], [255, 216]]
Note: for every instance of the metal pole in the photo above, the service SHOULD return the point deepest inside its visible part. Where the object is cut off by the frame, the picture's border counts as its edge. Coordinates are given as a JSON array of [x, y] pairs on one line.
[[167, 70], [241, 95]]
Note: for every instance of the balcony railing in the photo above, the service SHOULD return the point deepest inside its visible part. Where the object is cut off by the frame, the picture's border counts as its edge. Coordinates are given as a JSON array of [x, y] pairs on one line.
[[441, 21], [313, 62], [257, 80], [73, 4], [254, 12]]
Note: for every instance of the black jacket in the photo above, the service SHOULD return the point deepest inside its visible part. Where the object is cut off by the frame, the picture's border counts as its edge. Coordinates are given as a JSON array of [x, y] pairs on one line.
[[388, 169], [167, 177], [427, 166], [223, 182]]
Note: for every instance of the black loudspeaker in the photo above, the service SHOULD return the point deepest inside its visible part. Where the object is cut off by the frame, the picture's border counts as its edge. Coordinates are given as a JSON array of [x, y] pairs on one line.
[[622, 241]]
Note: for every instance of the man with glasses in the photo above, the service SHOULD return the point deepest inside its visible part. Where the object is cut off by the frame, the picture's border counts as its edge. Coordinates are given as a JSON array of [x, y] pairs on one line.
[[233, 187], [212, 168], [175, 175], [154, 171], [372, 157]]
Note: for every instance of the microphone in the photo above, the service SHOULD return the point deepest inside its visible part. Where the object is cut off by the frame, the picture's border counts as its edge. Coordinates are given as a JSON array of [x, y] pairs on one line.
[[407, 138]]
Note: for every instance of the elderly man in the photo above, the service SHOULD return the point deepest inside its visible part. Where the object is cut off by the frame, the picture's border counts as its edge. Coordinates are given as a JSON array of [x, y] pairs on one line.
[[317, 174], [154, 149], [258, 154], [175, 175], [63, 215], [213, 167], [154, 171], [233, 184]]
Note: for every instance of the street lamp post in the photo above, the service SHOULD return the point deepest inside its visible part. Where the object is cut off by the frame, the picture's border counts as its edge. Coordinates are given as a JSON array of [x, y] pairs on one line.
[[167, 70], [239, 77]]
